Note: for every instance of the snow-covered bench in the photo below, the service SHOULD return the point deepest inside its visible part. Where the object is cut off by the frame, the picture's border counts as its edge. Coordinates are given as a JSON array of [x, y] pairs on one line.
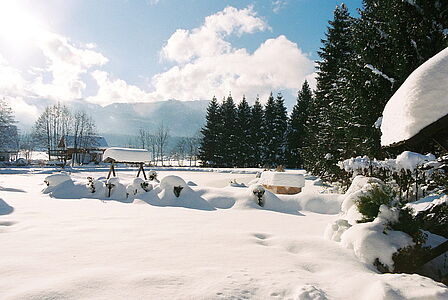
[[126, 155], [282, 182]]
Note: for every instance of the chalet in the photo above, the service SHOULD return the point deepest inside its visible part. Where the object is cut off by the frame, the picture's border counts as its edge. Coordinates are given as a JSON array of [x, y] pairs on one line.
[[9, 143], [83, 150]]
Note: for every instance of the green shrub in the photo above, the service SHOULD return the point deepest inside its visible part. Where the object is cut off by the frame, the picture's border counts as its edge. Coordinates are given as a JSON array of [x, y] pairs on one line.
[[369, 203]]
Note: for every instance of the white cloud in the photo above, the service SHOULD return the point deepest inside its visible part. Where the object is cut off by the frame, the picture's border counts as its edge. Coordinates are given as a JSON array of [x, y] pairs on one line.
[[277, 64], [114, 91], [65, 63], [11, 80], [208, 40], [278, 5]]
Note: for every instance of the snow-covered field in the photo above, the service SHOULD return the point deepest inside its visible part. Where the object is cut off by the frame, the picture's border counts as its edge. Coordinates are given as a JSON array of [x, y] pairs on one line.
[[87, 248]]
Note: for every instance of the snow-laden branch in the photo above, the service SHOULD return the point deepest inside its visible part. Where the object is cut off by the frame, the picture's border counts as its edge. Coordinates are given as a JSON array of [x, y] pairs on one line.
[[378, 72]]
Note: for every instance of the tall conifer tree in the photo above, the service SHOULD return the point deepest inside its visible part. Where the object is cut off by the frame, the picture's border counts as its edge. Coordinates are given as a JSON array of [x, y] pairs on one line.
[[209, 150], [242, 133], [257, 133], [296, 135]]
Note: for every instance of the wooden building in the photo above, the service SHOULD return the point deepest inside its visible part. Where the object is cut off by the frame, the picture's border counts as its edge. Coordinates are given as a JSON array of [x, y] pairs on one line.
[[82, 150]]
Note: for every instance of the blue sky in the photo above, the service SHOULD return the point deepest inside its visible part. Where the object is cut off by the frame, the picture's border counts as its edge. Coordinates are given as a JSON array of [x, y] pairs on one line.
[[106, 51]]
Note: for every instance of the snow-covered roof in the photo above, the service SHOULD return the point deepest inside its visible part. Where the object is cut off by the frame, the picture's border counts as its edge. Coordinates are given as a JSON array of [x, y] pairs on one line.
[[97, 142], [282, 179], [420, 101], [126, 155]]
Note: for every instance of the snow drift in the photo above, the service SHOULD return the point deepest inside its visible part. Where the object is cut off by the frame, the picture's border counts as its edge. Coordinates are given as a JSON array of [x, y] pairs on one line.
[[421, 100]]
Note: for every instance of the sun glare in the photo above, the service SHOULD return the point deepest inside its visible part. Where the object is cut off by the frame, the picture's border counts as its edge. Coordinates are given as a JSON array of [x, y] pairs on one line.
[[17, 24]]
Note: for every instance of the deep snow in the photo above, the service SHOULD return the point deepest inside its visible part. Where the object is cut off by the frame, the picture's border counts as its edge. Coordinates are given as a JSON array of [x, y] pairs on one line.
[[421, 100], [54, 248]]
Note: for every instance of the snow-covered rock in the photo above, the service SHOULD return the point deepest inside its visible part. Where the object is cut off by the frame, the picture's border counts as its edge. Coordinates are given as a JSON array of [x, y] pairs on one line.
[[282, 179], [421, 100]]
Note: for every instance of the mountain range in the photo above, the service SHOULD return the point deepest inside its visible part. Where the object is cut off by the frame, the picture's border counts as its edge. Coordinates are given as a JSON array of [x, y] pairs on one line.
[[120, 122]]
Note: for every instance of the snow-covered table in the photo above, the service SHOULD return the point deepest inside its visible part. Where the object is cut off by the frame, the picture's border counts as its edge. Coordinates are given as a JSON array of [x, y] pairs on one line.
[[126, 155], [283, 182]]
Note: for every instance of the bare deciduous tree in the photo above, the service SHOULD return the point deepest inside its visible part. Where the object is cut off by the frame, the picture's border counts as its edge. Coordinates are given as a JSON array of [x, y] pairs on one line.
[[161, 137]]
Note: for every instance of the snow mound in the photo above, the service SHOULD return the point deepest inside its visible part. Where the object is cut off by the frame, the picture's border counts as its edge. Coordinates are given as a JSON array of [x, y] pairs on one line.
[[138, 186], [370, 241], [405, 286], [70, 190], [310, 292], [54, 180], [115, 190], [270, 202], [329, 204], [411, 160], [127, 155], [360, 186], [174, 191], [96, 186], [421, 100]]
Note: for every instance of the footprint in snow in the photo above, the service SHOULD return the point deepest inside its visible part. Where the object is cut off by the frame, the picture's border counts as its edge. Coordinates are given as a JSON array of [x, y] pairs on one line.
[[261, 238], [310, 292]]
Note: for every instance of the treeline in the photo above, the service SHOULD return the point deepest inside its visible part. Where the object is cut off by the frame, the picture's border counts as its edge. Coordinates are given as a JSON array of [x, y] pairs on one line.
[[363, 61], [252, 136], [59, 121]]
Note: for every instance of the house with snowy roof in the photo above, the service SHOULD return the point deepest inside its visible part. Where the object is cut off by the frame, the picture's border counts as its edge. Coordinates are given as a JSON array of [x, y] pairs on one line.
[[84, 149], [9, 143], [418, 111]]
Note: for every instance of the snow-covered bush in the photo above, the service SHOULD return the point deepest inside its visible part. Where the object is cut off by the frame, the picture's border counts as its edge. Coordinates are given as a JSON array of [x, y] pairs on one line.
[[258, 191], [138, 186], [55, 179], [52, 181], [369, 203], [115, 189], [152, 176], [173, 184], [414, 174], [96, 186], [390, 235]]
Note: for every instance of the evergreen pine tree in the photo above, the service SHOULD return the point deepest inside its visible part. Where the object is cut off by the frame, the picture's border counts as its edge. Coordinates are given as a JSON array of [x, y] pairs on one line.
[[280, 128], [257, 134], [243, 132], [228, 140], [296, 127], [333, 108], [269, 139], [209, 150]]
